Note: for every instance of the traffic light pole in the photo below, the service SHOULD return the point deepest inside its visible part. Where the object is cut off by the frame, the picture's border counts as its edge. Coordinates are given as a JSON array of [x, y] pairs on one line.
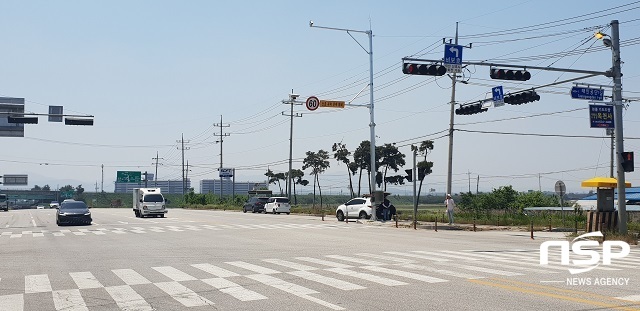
[[415, 181], [291, 101], [617, 102]]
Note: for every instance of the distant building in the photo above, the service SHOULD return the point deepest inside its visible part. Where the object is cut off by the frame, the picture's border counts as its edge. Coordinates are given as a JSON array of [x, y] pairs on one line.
[[229, 188], [166, 186]]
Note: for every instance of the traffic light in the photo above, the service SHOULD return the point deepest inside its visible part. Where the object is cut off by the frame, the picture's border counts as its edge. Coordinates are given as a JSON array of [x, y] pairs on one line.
[[505, 74], [423, 69], [379, 179], [522, 98], [471, 109], [22, 120], [409, 176], [78, 121], [627, 161]]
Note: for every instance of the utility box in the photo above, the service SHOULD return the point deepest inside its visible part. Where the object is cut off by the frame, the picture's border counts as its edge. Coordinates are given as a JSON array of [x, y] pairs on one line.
[[605, 198]]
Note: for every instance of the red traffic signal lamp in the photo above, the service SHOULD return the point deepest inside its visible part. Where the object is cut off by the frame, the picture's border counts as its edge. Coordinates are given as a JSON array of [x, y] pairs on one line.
[[627, 161], [78, 121], [505, 74], [423, 69], [522, 98], [470, 109]]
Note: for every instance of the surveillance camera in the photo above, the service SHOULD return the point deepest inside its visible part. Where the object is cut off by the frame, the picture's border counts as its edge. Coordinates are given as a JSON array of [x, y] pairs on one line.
[[294, 96], [310, 23]]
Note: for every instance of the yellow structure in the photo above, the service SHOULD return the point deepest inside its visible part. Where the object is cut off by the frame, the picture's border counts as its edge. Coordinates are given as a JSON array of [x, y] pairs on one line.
[[603, 182]]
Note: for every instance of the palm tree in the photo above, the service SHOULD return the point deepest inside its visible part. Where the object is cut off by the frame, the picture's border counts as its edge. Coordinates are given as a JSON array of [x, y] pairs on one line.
[[318, 162], [390, 158], [296, 177], [342, 155]]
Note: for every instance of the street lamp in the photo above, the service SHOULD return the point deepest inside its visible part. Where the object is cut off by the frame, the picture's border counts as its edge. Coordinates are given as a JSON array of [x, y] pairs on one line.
[[614, 43], [372, 124]]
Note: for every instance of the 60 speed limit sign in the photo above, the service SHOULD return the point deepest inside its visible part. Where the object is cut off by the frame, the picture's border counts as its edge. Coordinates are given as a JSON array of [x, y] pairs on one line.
[[313, 103]]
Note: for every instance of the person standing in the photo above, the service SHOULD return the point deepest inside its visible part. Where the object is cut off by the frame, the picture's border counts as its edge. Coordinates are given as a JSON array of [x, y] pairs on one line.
[[450, 205]]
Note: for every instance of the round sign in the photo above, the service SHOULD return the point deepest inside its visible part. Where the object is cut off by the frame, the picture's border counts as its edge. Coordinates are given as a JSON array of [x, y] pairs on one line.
[[560, 188], [313, 103]]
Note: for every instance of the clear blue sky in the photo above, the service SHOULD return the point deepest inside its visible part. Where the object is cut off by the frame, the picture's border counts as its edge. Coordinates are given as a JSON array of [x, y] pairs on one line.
[[150, 71]]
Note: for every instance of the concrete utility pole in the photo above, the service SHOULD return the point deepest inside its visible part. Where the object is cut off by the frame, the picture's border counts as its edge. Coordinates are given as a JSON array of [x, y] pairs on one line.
[[414, 176], [182, 142], [221, 135], [102, 183], [617, 102], [155, 177], [291, 101]]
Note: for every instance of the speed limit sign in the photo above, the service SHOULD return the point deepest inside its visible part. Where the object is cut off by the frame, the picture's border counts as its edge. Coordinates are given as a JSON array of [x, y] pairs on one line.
[[313, 103]]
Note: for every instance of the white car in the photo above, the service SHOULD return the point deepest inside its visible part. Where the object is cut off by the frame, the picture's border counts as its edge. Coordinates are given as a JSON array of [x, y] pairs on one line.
[[277, 205], [40, 206], [355, 208]]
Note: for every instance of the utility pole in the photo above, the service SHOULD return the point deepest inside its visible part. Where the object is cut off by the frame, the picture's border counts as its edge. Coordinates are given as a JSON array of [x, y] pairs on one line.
[[617, 103], [469, 177], [181, 141], [453, 106], [155, 177], [102, 183], [146, 178], [539, 184], [611, 132], [415, 181], [221, 135], [291, 101], [96, 187], [478, 184]]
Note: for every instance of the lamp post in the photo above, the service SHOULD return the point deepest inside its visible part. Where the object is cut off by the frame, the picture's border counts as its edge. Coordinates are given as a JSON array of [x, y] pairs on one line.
[[372, 124]]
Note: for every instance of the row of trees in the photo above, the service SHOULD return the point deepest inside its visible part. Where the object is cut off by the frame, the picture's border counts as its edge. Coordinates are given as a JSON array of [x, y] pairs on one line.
[[388, 161], [78, 190]]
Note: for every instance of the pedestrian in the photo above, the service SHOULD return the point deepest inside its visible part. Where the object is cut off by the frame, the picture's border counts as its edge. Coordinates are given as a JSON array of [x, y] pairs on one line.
[[450, 205], [387, 209]]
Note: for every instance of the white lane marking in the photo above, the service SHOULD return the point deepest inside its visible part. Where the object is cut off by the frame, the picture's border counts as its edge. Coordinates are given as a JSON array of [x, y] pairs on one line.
[[417, 256], [185, 296], [85, 280], [118, 231], [98, 232], [79, 233], [123, 222], [127, 299], [324, 262], [630, 298], [217, 271], [192, 228], [485, 270], [442, 271], [69, 300], [156, 229], [252, 267], [65, 230], [27, 232], [446, 255], [289, 264], [410, 275], [12, 302], [37, 284], [174, 274], [5, 233], [38, 234], [130, 277], [291, 288], [58, 234], [394, 259], [233, 289], [174, 228], [367, 277], [210, 227], [339, 284], [17, 235], [356, 260]]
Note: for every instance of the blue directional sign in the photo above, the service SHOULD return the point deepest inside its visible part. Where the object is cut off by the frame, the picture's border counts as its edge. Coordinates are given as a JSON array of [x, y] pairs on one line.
[[587, 93], [498, 95], [601, 116], [453, 54]]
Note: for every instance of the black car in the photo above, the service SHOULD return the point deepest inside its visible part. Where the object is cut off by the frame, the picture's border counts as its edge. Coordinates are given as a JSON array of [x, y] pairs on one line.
[[73, 212], [255, 205]]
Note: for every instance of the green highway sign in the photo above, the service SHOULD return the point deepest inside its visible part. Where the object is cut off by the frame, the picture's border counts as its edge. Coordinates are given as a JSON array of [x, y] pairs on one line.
[[66, 194], [129, 176]]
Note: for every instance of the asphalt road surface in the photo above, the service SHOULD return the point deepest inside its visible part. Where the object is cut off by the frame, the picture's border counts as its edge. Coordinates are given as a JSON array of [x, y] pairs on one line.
[[217, 260]]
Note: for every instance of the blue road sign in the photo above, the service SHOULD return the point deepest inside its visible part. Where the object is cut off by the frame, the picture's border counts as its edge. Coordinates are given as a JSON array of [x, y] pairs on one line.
[[587, 93], [498, 95], [601, 116], [453, 54]]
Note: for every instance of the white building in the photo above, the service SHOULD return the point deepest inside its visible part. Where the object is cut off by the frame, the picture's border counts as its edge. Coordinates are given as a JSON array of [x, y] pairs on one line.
[[229, 187], [166, 186]]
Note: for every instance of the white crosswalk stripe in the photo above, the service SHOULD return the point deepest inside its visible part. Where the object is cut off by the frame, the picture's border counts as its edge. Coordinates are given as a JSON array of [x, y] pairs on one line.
[[69, 300], [367, 276], [37, 284], [339, 284], [130, 277], [482, 269], [410, 275], [127, 299], [389, 258], [85, 280], [12, 302], [289, 264], [182, 294], [417, 256], [359, 261], [291, 288], [234, 289], [324, 262], [217, 271], [174, 274], [445, 255], [442, 271], [252, 267]]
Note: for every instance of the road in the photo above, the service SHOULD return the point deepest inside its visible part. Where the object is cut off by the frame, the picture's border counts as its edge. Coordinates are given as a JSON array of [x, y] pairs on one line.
[[224, 260]]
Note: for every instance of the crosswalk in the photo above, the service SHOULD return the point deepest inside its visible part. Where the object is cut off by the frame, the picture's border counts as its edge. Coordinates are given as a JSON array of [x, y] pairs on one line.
[[95, 230], [191, 285]]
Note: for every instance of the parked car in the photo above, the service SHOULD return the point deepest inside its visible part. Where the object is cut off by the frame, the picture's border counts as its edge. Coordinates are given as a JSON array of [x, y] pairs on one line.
[[255, 205], [277, 205], [355, 208], [71, 212]]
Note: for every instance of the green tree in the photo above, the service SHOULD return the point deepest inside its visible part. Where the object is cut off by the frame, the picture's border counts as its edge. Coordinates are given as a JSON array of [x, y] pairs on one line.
[[36, 188], [296, 177], [46, 188], [318, 162], [79, 190], [362, 156], [66, 188], [341, 154], [390, 158], [275, 178]]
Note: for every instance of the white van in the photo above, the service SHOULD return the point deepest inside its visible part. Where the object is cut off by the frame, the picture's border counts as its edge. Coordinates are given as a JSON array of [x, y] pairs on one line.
[[148, 201], [277, 205]]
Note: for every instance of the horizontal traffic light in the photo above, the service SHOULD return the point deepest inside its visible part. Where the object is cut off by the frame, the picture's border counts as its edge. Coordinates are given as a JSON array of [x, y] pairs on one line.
[[522, 98], [470, 109], [423, 69], [78, 121], [505, 74], [22, 120]]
